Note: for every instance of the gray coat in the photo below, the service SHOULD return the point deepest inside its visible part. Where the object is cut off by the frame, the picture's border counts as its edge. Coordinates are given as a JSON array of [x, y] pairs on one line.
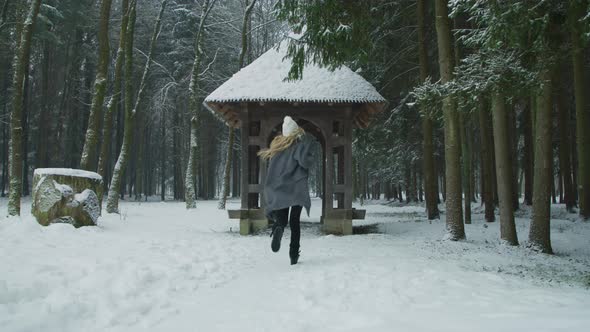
[[286, 179]]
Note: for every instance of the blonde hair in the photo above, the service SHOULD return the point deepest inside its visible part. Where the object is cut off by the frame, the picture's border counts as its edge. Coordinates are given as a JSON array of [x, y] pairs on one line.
[[280, 143]]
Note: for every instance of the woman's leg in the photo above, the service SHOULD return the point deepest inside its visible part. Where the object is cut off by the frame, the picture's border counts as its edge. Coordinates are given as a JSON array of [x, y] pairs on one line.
[[277, 229], [282, 216], [295, 224]]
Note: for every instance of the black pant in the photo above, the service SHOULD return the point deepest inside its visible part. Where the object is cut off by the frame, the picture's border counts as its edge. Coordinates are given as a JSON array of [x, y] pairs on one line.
[[283, 218]]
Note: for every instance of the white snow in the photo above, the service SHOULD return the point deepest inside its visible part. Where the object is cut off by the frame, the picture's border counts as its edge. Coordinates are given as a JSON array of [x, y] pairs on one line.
[[160, 267], [68, 172], [264, 81]]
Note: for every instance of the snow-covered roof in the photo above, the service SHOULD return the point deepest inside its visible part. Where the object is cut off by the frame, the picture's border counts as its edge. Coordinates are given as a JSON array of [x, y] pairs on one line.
[[264, 81]]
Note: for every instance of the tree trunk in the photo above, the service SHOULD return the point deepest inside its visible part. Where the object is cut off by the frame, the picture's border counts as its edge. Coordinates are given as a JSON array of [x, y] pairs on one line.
[[513, 145], [107, 128], [539, 236], [553, 191], [574, 170], [119, 143], [503, 168], [131, 113], [119, 170], [163, 157], [494, 173], [71, 70], [5, 81], [420, 188], [100, 84], [454, 213], [140, 158], [195, 109], [487, 164], [41, 160], [176, 157], [565, 170], [20, 67], [408, 180], [427, 126], [560, 181], [473, 161], [25, 131], [413, 187], [227, 170], [527, 161], [464, 141], [4, 154], [481, 165], [466, 158], [582, 118], [243, 52]]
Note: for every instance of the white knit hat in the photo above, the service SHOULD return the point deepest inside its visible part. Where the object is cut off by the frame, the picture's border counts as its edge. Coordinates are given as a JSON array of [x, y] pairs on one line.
[[289, 126]]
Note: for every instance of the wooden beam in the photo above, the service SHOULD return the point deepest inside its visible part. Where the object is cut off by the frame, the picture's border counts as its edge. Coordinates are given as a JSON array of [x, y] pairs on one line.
[[244, 156], [226, 108], [347, 156]]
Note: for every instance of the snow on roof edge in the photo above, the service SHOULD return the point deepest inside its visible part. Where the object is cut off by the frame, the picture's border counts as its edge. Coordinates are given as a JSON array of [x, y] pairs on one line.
[[292, 100]]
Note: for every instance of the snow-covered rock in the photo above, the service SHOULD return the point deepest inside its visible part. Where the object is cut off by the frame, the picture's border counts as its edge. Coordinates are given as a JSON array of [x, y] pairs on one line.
[[62, 195]]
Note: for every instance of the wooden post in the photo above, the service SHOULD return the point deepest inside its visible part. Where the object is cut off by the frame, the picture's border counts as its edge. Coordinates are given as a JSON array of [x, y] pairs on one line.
[[329, 174], [339, 221], [263, 137], [245, 143], [348, 183], [244, 154], [324, 190]]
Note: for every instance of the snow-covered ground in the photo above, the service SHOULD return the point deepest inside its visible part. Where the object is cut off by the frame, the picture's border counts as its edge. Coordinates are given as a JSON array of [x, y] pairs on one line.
[[159, 267]]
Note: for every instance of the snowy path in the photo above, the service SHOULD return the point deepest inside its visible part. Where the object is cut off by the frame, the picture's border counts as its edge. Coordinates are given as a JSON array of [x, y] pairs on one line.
[[158, 267]]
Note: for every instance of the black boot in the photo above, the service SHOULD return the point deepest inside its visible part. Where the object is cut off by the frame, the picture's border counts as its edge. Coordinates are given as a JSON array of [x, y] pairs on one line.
[[276, 234], [294, 255]]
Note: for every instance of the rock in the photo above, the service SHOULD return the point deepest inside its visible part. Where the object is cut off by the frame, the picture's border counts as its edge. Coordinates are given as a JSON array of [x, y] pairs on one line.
[[84, 208], [62, 195]]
